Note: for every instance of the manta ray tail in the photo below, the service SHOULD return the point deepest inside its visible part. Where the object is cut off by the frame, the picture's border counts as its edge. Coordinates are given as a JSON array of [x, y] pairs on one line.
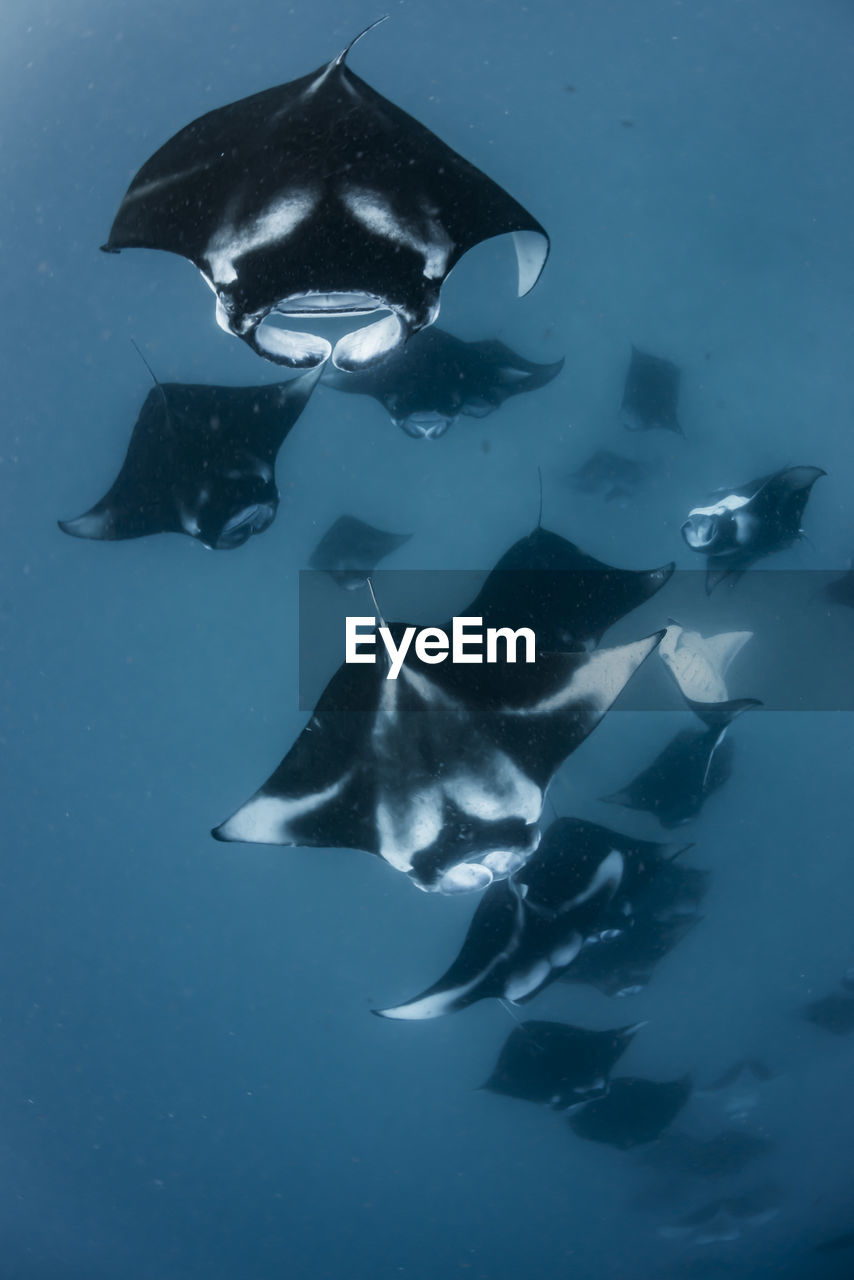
[[342, 57], [714, 577]]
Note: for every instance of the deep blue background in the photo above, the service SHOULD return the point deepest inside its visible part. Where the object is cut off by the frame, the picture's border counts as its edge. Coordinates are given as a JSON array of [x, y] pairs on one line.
[[191, 1084]]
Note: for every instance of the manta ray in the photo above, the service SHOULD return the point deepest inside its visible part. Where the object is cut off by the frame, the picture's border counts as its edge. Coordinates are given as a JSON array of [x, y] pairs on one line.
[[557, 1065], [514, 947], [442, 771], [651, 394], [201, 461], [750, 521], [528, 930], [694, 764], [632, 1112], [436, 378], [609, 474], [350, 549], [320, 198]]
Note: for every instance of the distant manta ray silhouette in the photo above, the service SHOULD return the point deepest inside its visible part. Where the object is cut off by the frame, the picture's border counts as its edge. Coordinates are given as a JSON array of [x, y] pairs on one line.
[[320, 198]]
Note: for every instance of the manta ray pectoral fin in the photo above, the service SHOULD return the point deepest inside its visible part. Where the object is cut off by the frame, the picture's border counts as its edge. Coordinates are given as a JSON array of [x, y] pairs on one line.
[[797, 478], [367, 346], [115, 521], [94, 524], [532, 250], [724, 647]]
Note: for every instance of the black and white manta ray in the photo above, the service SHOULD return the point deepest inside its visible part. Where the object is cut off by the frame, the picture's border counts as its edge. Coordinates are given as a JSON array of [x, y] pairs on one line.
[[751, 521], [515, 946], [201, 461], [633, 1111], [568, 598], [654, 908], [350, 549], [650, 394], [443, 772], [436, 378], [320, 198], [527, 930], [556, 1065]]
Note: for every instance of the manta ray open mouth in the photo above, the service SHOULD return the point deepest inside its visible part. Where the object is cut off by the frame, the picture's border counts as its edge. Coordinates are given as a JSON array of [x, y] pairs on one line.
[[240, 528], [700, 531], [330, 304]]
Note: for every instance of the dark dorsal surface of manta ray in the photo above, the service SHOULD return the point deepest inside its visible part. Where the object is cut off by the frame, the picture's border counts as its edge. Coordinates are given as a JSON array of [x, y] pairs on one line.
[[436, 378], [528, 931], [442, 771], [632, 1112], [568, 598], [201, 461], [351, 549], [320, 198], [650, 394], [556, 1065], [693, 765], [653, 909], [608, 474], [572, 846], [515, 947], [622, 958], [750, 521]]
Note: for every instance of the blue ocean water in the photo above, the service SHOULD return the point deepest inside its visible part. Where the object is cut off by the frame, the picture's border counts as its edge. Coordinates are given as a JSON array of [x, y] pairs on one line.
[[192, 1085]]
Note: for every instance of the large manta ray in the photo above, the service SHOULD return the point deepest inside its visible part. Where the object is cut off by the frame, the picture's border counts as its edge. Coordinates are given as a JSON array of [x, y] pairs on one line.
[[526, 931], [443, 771], [201, 461], [316, 198], [435, 378], [750, 521]]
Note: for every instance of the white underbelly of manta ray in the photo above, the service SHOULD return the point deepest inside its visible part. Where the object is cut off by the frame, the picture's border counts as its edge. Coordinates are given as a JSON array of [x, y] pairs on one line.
[[434, 761]]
